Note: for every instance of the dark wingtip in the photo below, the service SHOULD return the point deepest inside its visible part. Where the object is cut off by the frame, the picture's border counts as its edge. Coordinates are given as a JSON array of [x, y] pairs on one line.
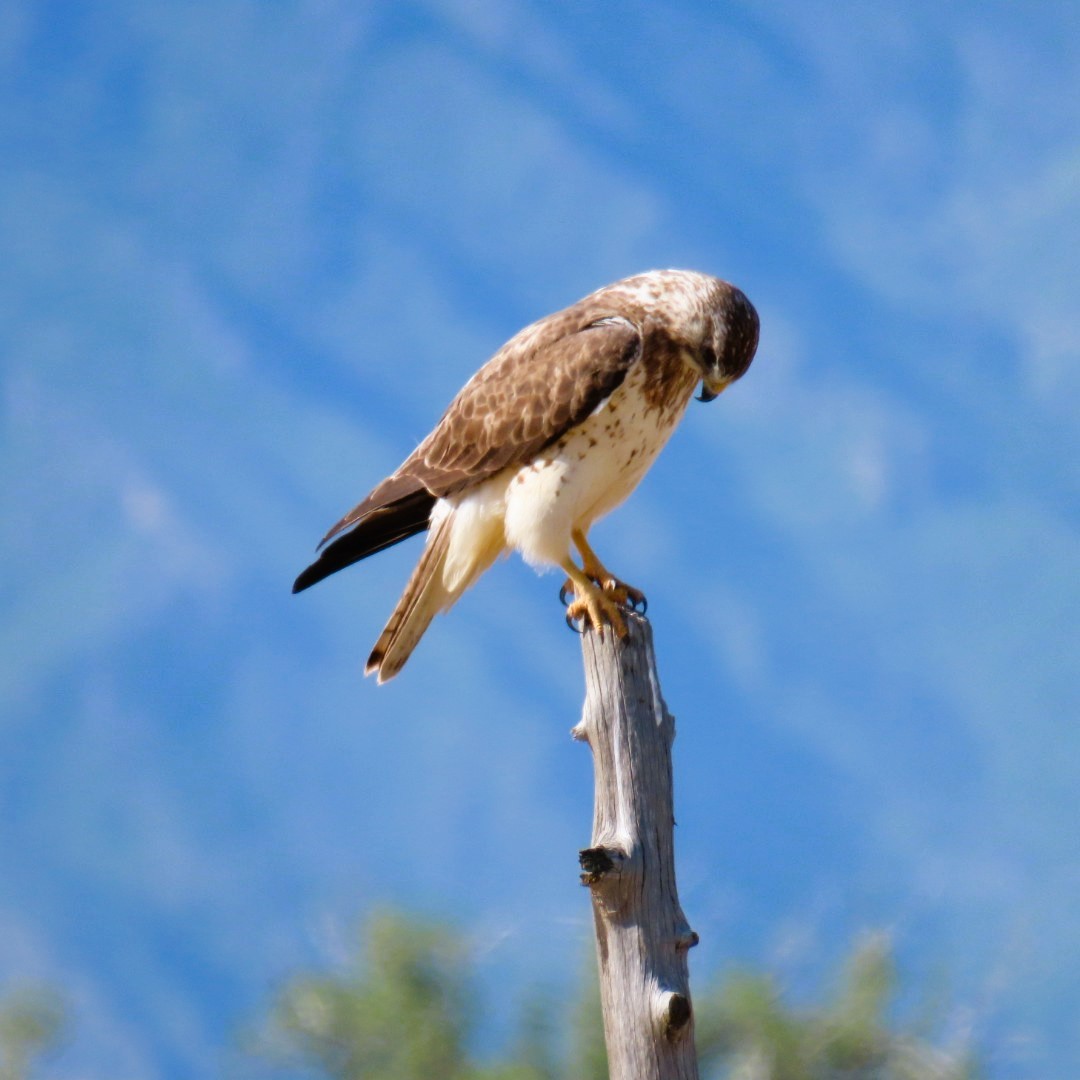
[[306, 579], [382, 528]]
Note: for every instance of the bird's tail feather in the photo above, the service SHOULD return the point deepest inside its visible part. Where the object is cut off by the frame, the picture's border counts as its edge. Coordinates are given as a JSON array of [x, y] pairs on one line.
[[436, 584], [424, 597]]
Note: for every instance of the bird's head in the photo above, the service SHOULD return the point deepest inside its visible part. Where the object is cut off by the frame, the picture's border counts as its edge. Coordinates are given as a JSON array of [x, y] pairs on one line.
[[731, 338]]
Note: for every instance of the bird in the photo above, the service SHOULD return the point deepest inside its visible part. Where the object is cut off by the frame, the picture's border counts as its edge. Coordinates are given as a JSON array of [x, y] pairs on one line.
[[552, 433]]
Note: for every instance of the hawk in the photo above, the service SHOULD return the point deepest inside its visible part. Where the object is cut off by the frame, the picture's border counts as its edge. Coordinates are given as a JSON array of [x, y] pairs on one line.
[[553, 432]]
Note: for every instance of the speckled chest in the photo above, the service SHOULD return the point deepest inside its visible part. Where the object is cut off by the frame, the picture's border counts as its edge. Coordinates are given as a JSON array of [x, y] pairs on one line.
[[593, 467]]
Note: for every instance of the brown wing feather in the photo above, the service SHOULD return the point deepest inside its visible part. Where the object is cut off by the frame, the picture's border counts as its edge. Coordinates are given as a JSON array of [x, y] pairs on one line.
[[537, 386], [540, 384], [392, 490]]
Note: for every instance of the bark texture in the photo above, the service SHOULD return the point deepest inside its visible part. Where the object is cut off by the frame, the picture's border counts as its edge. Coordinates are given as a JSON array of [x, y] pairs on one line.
[[642, 936]]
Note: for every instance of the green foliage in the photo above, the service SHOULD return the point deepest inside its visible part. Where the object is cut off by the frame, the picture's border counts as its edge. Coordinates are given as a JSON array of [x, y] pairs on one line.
[[31, 1023], [402, 1015], [587, 1051], [745, 1031], [405, 1012]]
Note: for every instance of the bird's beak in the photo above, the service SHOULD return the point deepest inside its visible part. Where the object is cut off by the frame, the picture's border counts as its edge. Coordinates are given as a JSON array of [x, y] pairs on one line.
[[712, 386]]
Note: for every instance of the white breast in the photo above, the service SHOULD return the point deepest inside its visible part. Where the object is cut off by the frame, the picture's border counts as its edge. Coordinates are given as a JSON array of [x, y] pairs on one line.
[[588, 472]]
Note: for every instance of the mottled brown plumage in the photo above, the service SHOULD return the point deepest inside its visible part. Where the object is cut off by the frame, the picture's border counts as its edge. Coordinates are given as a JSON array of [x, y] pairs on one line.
[[539, 384], [533, 406]]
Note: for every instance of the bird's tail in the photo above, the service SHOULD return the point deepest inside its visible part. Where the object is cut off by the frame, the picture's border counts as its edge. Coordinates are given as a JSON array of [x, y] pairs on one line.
[[440, 577]]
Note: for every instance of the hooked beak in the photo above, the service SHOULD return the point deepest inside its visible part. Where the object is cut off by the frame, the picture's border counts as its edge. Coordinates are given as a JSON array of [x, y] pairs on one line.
[[712, 386]]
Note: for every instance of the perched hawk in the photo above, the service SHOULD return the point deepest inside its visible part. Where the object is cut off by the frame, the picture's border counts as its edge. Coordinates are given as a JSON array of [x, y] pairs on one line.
[[554, 431]]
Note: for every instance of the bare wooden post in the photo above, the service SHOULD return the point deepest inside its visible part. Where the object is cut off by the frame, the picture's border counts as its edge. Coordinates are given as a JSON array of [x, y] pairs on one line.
[[642, 936]]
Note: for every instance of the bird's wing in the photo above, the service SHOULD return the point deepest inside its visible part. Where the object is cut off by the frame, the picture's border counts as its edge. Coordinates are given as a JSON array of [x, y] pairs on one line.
[[397, 518], [540, 384], [545, 380]]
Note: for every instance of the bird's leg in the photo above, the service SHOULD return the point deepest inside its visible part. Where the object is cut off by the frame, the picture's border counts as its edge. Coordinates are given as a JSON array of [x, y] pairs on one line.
[[619, 591], [590, 602]]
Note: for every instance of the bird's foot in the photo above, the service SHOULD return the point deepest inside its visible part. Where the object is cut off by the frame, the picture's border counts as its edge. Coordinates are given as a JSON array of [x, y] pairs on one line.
[[593, 607], [624, 595]]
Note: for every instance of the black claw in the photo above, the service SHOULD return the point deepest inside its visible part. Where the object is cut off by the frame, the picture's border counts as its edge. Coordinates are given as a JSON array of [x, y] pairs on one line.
[[562, 596], [644, 605], [570, 623]]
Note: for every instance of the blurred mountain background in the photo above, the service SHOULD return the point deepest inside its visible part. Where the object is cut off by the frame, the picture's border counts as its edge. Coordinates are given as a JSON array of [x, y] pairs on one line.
[[251, 250]]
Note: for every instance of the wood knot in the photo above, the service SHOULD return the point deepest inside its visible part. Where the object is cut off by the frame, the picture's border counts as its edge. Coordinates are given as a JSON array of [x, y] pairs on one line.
[[677, 1016], [595, 862], [686, 940]]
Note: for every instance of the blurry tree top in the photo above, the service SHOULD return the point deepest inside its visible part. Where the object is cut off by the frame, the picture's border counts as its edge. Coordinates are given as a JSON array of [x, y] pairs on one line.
[[405, 1010], [32, 1021]]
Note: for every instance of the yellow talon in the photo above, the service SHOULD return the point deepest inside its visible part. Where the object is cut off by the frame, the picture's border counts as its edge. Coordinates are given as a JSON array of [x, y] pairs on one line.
[[624, 595], [596, 607]]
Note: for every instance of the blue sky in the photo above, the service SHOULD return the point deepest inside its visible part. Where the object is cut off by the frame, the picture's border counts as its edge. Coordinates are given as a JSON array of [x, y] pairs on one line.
[[251, 250]]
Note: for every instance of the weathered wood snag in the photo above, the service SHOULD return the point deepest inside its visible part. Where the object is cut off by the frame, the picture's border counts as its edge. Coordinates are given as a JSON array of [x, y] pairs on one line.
[[642, 936]]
